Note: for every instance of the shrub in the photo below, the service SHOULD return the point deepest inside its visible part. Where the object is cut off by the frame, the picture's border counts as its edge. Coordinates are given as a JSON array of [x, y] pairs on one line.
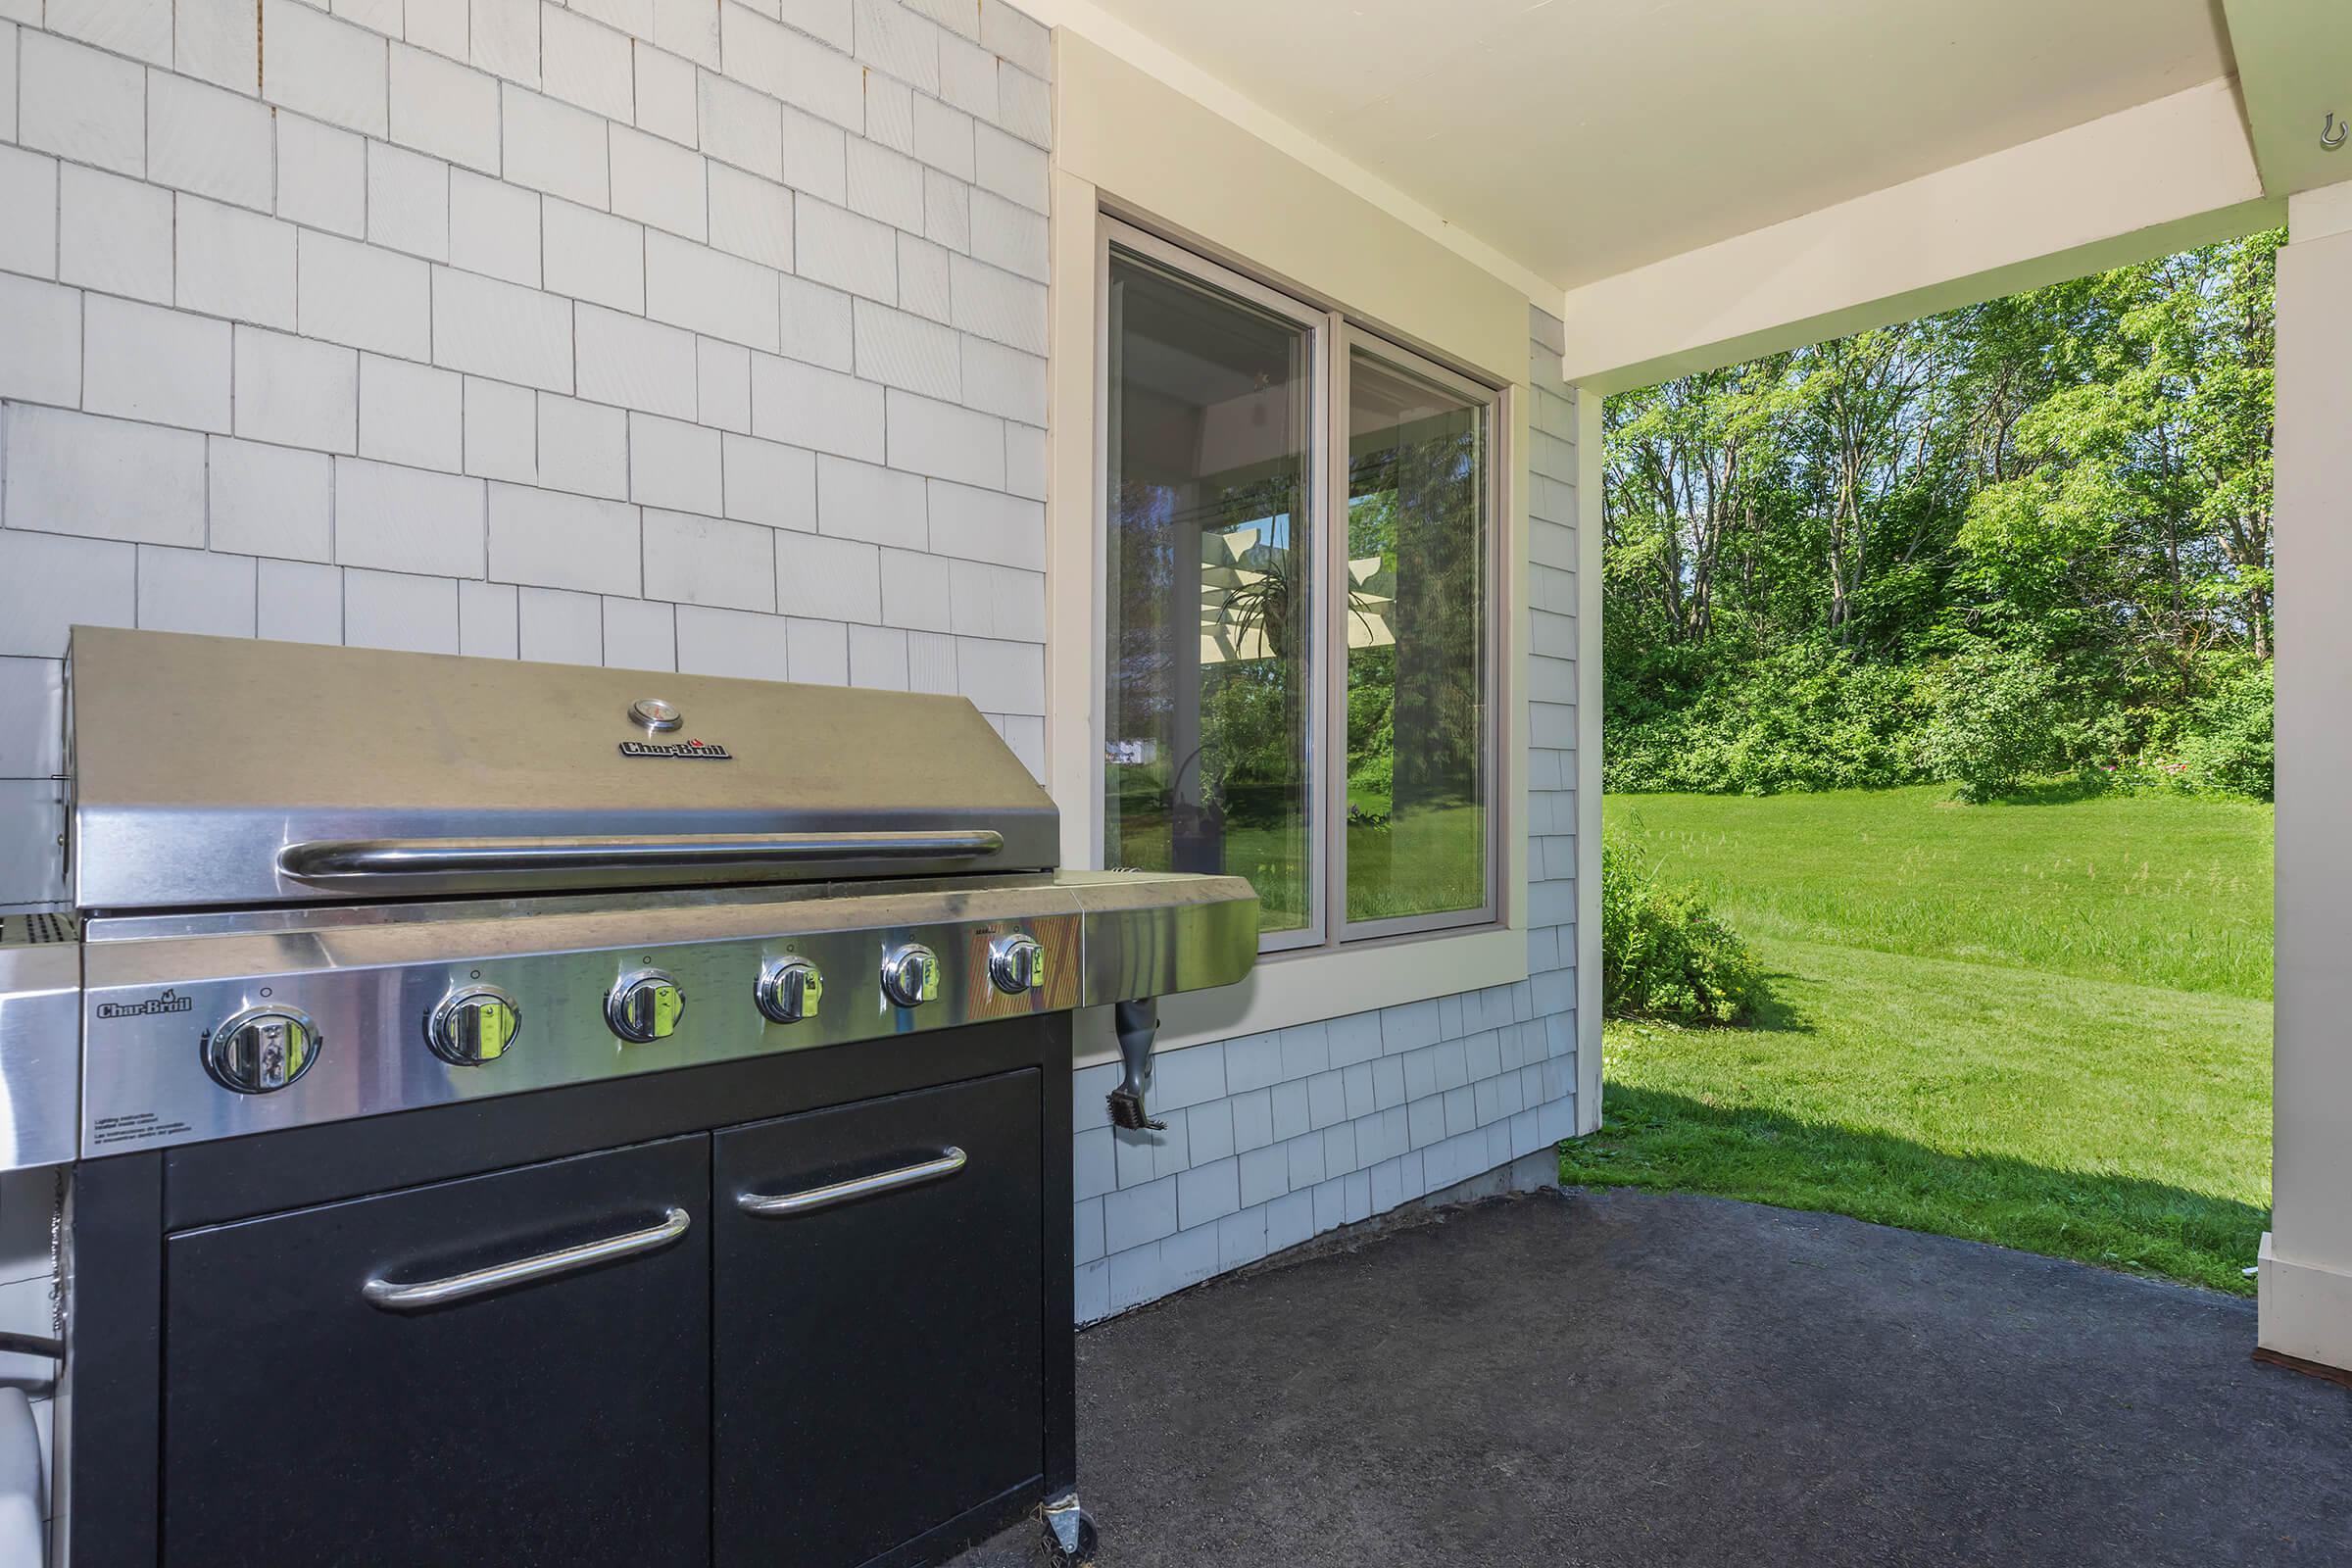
[[2226, 746], [1664, 955], [1808, 716], [1997, 720]]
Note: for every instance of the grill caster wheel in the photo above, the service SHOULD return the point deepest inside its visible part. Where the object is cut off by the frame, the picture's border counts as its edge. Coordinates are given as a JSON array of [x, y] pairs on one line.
[[1070, 1533]]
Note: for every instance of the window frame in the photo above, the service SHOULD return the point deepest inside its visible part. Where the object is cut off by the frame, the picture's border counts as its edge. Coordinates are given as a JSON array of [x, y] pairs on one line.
[[1334, 339]]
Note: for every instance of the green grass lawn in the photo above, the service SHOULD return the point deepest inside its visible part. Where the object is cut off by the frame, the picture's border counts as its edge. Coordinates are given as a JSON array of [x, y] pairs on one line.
[[2042, 1025]]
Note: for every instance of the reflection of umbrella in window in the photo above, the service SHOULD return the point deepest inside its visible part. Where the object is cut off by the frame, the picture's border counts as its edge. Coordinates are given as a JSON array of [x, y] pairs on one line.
[[1247, 595]]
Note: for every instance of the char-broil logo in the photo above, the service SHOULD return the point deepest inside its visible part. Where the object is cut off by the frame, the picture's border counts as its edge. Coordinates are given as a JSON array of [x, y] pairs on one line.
[[687, 751], [148, 1008]]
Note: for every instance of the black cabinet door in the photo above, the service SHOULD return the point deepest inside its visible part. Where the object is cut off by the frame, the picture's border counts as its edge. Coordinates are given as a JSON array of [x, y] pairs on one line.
[[876, 1357], [564, 1421]]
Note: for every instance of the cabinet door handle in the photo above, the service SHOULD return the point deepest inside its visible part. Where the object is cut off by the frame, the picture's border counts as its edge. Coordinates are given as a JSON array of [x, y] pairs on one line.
[[546, 1265], [784, 1205]]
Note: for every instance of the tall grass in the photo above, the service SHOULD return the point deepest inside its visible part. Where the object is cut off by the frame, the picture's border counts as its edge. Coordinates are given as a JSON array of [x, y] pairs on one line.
[[2155, 891]]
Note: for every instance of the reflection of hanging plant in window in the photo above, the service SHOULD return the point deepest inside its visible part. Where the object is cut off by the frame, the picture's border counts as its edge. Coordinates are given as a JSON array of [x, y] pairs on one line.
[[1252, 706]]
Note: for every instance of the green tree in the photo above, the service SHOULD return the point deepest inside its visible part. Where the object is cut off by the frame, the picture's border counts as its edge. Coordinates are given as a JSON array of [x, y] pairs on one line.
[[2075, 481]]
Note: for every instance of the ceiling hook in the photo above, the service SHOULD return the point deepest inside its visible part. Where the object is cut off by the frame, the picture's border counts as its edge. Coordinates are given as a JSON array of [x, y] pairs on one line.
[[2333, 136]]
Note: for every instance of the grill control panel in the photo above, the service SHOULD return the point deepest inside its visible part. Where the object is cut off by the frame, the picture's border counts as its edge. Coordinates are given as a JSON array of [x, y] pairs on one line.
[[171, 1059]]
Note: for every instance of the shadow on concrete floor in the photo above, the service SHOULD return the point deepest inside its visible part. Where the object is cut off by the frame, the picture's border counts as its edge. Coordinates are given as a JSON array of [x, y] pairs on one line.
[[1630, 1378]]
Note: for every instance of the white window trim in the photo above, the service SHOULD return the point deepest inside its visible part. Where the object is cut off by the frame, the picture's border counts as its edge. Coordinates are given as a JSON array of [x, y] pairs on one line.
[[1311, 984]]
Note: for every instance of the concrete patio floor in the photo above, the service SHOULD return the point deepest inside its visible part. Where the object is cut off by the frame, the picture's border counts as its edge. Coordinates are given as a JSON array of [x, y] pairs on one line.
[[1628, 1378]]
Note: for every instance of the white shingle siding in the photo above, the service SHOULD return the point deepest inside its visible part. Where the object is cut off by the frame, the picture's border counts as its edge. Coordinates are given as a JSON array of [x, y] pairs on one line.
[[704, 290], [440, 107], [751, 216], [367, 298], [506, 39], [791, 67], [1011, 169], [494, 229], [587, 63], [412, 414], [501, 431], [271, 501], [114, 235], [846, 250], [664, 86], [889, 112], [408, 201], [203, 140], [219, 44], [195, 590], [945, 441], [723, 389], [78, 103], [232, 263], [40, 341], [501, 330], [322, 179], [556, 626], [317, 66], [636, 364], [553, 147], [660, 183], [594, 257]]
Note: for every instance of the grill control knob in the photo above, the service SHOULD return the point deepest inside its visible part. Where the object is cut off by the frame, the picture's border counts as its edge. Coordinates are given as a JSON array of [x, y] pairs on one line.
[[1017, 963], [910, 974], [473, 1026], [789, 990], [261, 1050], [645, 1006]]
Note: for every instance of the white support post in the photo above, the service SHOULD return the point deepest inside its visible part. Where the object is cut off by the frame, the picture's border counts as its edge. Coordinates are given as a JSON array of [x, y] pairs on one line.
[[1589, 463], [2306, 1262]]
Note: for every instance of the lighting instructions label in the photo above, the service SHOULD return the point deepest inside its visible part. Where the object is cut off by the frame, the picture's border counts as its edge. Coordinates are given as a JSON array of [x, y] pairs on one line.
[[140, 1127]]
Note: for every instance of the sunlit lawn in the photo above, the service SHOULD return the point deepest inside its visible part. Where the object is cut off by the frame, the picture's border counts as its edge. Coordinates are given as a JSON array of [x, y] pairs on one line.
[[2046, 1026]]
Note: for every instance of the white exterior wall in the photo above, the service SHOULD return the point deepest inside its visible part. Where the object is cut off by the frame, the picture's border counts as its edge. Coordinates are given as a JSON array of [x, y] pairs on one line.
[[645, 333], [1275, 1138]]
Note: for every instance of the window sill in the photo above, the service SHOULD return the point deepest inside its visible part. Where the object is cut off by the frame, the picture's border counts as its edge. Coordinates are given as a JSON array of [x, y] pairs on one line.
[[1320, 983]]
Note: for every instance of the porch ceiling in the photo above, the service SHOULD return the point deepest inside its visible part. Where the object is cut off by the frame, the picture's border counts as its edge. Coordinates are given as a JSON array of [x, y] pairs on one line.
[[1583, 137]]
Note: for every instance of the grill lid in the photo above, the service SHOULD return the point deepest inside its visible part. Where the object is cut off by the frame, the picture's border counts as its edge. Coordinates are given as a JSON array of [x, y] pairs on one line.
[[217, 771]]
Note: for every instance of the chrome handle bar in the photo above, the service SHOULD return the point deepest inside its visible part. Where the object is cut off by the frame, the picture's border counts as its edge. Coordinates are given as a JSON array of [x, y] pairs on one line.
[[522, 1271], [786, 1205], [323, 859]]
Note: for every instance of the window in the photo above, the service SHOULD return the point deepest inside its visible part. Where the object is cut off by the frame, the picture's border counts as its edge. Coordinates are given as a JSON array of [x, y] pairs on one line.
[[1295, 685]]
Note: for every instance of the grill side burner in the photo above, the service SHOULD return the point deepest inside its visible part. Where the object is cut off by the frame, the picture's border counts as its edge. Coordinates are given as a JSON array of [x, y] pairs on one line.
[[531, 1113]]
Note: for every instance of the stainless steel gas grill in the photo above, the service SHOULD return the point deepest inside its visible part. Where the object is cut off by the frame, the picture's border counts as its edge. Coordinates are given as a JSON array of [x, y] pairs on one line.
[[523, 1113]]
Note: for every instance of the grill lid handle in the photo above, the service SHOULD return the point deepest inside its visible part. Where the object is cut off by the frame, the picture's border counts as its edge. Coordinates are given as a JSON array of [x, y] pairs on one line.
[[324, 860]]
